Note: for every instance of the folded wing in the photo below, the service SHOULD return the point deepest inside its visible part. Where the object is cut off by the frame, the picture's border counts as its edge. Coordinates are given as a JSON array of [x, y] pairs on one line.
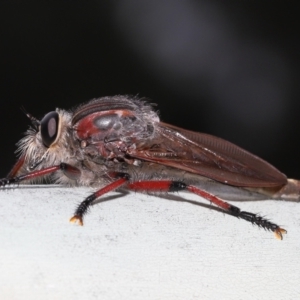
[[208, 156]]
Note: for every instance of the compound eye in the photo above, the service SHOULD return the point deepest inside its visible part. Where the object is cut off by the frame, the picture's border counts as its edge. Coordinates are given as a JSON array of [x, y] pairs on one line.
[[49, 128]]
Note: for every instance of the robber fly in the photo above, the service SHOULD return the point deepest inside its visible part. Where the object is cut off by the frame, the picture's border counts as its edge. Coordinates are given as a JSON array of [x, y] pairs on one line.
[[119, 142]]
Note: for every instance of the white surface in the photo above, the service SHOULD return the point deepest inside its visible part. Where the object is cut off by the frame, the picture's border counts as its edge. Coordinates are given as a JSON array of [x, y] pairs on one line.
[[142, 247]]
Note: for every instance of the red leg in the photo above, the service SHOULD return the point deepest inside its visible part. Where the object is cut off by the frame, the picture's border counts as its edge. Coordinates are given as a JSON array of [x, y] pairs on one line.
[[84, 205], [173, 186], [18, 165], [68, 170]]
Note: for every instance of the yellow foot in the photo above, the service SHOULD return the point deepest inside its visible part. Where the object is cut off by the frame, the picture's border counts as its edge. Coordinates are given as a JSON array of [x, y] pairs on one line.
[[77, 219], [279, 232]]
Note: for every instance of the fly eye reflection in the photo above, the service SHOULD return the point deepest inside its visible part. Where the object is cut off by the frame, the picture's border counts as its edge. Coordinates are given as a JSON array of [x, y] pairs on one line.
[[49, 128]]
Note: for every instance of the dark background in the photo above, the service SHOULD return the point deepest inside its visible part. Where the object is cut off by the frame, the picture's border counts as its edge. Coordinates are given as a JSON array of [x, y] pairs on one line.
[[228, 68]]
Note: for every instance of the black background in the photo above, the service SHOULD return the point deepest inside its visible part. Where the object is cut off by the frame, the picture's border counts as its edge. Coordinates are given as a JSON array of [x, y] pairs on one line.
[[63, 53]]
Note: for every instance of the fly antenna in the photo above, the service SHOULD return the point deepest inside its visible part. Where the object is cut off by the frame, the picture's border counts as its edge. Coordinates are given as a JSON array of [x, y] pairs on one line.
[[35, 122]]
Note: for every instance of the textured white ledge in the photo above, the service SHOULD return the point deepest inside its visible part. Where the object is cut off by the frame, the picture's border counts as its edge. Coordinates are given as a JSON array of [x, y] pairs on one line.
[[142, 247]]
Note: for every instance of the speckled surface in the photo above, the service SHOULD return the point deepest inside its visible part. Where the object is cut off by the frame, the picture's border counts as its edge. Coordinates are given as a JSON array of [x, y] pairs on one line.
[[142, 247]]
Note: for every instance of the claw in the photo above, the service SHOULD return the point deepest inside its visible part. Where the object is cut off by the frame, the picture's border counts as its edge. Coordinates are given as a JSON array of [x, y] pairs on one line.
[[279, 232], [77, 219]]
